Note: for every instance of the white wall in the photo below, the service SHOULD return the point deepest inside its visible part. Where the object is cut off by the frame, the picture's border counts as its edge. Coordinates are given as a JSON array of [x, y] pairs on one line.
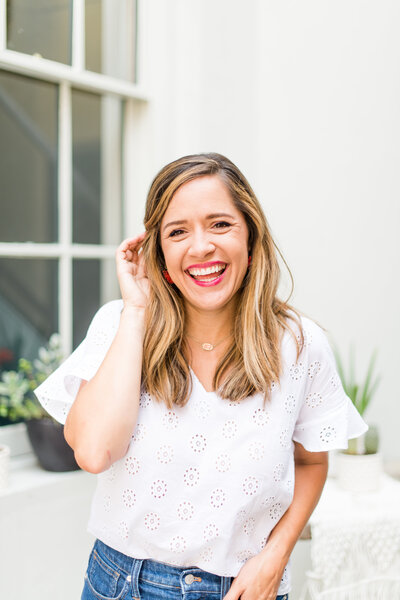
[[304, 97], [331, 150]]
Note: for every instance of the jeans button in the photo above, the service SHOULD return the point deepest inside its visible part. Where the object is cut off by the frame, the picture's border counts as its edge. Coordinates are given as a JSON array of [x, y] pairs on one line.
[[189, 578]]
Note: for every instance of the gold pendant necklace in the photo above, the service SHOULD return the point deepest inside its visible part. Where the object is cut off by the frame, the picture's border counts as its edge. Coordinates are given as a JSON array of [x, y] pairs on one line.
[[206, 345]]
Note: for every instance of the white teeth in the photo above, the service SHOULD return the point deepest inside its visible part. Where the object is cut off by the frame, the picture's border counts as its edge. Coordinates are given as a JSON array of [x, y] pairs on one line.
[[208, 270], [206, 280]]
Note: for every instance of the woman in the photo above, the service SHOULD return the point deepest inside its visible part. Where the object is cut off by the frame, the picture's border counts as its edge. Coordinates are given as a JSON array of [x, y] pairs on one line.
[[205, 404]]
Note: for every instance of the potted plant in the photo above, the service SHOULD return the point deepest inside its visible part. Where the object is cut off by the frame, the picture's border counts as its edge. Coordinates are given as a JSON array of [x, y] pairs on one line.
[[359, 467], [18, 402], [8, 362]]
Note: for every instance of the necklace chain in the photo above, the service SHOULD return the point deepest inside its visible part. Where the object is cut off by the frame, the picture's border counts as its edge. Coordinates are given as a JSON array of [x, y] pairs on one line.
[[206, 345]]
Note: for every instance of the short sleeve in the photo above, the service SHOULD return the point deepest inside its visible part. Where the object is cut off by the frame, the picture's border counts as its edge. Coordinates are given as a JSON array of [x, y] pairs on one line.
[[57, 393], [327, 418]]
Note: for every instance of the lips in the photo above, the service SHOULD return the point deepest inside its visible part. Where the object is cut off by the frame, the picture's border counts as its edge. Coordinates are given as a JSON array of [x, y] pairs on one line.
[[213, 279], [206, 264], [214, 268]]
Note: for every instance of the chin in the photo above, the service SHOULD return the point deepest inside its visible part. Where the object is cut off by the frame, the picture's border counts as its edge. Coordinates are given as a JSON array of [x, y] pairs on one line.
[[210, 303]]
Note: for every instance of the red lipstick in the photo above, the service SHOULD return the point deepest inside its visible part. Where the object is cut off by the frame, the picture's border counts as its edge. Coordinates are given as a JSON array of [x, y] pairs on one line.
[[209, 283], [206, 264]]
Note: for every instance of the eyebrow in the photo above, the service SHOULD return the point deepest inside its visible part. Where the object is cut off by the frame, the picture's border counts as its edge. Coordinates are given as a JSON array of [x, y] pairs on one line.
[[213, 216]]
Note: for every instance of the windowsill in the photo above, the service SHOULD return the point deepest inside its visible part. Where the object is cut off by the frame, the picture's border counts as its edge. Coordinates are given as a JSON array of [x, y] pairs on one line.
[[15, 436], [26, 474]]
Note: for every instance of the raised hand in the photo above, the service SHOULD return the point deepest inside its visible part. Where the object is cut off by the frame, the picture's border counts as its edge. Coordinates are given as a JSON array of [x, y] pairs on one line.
[[131, 272]]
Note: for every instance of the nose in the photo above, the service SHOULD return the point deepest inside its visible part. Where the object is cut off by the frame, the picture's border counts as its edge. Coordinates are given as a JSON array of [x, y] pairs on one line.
[[201, 244]]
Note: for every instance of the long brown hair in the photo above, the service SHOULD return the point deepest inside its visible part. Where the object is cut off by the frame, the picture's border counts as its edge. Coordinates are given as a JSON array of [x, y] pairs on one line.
[[261, 317]]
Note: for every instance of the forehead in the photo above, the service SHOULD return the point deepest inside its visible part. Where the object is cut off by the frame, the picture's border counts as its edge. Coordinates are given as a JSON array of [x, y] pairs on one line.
[[199, 196]]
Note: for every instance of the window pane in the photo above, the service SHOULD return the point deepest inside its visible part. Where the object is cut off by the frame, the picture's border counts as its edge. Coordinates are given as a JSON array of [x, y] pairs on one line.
[[93, 35], [86, 167], [28, 159], [96, 138], [95, 282], [42, 27], [28, 307], [110, 37]]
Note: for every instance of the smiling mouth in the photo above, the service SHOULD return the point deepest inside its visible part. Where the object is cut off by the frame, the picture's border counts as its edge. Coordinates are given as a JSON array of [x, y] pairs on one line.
[[208, 276]]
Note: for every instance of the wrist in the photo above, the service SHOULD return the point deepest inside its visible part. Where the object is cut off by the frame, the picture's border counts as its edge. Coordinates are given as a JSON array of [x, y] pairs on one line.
[[135, 315], [279, 546]]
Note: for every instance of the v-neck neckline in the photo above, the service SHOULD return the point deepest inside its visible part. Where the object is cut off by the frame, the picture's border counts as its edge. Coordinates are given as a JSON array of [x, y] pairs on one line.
[[200, 384]]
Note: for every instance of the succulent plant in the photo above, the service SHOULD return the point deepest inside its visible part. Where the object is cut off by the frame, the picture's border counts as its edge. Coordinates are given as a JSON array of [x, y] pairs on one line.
[[17, 400], [361, 394]]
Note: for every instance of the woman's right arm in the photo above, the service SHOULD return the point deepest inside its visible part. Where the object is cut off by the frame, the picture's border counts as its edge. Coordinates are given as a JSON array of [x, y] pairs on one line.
[[101, 421]]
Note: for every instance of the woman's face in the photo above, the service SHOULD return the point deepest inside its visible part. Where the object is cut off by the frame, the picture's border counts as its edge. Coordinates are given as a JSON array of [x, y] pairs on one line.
[[205, 240]]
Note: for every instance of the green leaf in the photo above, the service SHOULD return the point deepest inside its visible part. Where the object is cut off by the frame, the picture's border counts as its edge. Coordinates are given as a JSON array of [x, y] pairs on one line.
[[360, 393], [17, 399]]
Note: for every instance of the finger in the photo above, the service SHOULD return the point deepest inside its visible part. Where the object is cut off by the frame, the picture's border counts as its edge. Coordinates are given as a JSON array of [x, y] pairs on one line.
[[140, 236], [136, 248], [231, 595], [141, 266], [132, 242], [234, 592], [124, 254], [128, 249]]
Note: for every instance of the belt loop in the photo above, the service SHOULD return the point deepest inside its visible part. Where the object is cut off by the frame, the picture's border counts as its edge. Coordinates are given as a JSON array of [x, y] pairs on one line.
[[136, 566], [225, 585]]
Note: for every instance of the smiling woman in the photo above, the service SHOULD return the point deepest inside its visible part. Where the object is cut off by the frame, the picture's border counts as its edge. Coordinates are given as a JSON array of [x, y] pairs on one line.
[[210, 403], [222, 226]]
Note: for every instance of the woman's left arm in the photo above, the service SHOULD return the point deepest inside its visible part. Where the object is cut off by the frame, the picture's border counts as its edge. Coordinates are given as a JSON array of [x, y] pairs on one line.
[[260, 576]]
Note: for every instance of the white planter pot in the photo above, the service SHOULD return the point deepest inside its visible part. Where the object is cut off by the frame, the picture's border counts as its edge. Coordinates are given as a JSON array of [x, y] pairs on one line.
[[359, 473], [4, 466]]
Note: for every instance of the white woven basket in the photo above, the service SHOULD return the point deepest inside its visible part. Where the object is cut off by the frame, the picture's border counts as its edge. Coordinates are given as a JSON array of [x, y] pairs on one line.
[[4, 466]]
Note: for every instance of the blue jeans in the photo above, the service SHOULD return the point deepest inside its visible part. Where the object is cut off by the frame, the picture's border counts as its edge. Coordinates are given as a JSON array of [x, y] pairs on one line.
[[112, 575]]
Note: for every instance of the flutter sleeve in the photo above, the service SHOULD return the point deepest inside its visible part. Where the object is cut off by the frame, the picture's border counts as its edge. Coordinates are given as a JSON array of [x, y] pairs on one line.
[[57, 393], [327, 418]]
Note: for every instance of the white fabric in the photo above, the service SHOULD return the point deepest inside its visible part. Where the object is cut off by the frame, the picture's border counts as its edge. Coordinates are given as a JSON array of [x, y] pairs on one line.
[[355, 544], [204, 484]]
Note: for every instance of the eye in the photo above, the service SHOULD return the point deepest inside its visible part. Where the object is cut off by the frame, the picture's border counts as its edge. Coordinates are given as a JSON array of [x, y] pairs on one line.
[[175, 231], [222, 223]]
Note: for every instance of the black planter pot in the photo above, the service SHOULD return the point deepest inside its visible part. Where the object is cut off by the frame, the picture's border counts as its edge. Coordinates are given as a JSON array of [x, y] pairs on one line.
[[48, 443], [5, 421]]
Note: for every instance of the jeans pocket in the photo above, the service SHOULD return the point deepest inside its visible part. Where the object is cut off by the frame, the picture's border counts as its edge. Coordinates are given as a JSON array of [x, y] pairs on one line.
[[104, 580]]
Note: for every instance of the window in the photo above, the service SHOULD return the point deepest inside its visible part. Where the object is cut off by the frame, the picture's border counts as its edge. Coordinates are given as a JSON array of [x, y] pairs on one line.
[[69, 92]]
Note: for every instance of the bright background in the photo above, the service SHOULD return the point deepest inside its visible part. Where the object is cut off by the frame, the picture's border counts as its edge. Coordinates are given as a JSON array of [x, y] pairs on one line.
[[302, 96]]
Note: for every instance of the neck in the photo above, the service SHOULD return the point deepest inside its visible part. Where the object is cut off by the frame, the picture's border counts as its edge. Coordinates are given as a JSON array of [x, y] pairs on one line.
[[210, 326]]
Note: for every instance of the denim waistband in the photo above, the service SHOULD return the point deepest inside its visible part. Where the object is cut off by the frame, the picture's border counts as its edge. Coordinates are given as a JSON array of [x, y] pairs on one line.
[[184, 579]]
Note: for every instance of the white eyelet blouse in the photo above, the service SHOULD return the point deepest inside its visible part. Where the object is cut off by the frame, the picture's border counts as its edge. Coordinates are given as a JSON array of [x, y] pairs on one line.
[[203, 485]]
